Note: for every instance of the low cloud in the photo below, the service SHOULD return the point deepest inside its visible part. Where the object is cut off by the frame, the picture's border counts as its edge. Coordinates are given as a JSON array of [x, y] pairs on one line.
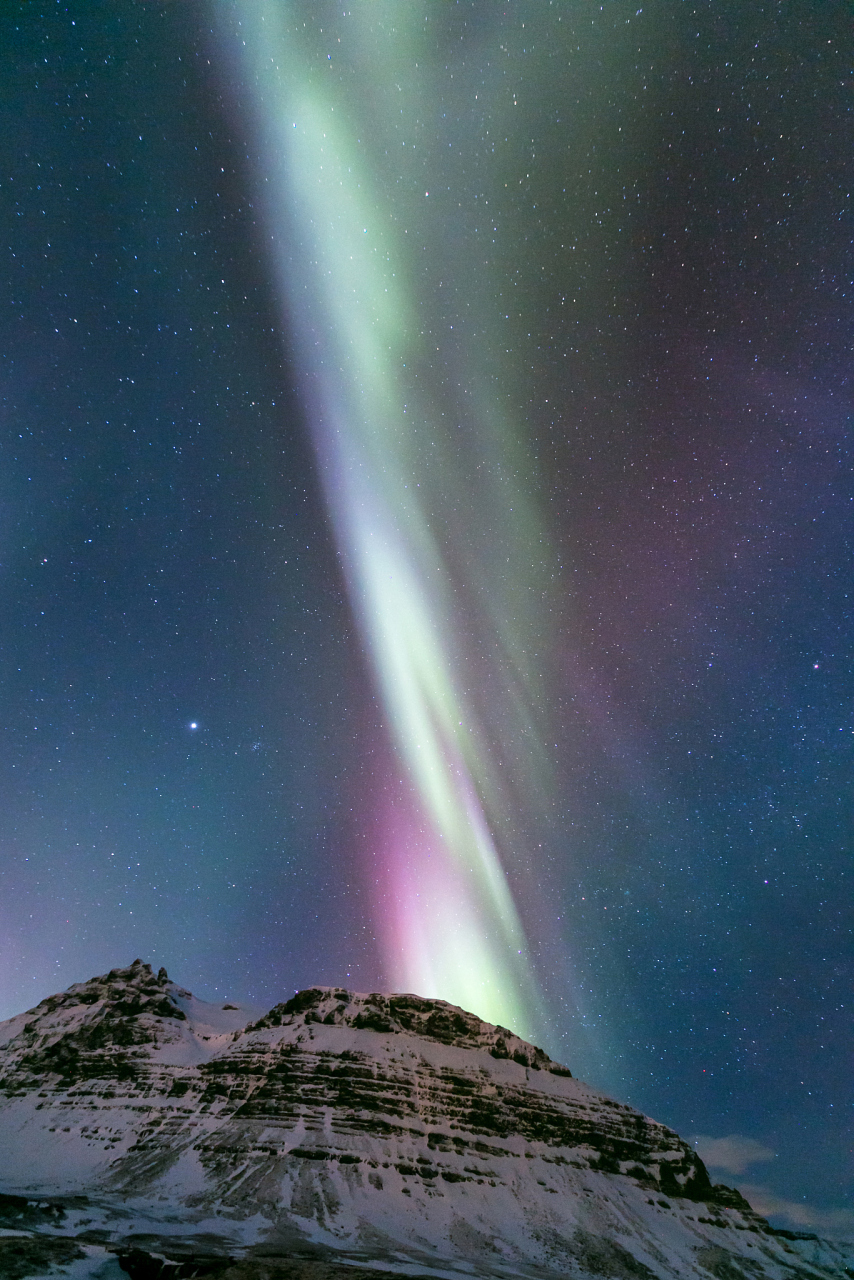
[[834, 1223], [733, 1154], [736, 1153]]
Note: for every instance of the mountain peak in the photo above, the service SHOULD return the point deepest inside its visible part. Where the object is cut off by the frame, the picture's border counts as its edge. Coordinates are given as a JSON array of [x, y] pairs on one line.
[[406, 1014], [381, 1128], [128, 992], [95, 1029], [138, 983]]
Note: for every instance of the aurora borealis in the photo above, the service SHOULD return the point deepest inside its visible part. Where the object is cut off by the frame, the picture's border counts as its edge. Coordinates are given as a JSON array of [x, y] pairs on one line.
[[425, 529], [402, 492]]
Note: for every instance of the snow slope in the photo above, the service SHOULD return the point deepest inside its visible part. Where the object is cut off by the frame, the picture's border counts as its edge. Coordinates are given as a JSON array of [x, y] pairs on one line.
[[386, 1130]]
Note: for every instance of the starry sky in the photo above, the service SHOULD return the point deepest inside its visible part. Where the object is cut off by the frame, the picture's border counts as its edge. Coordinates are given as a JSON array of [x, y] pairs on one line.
[[426, 527]]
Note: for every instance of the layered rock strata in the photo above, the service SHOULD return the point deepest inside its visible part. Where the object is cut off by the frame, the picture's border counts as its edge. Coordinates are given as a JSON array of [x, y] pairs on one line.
[[386, 1130]]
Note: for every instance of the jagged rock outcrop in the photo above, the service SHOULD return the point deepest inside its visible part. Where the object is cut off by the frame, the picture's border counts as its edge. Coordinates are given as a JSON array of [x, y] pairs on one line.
[[376, 1128]]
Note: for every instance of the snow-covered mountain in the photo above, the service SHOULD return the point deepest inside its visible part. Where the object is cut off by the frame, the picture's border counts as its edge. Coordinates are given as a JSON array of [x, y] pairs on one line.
[[387, 1131]]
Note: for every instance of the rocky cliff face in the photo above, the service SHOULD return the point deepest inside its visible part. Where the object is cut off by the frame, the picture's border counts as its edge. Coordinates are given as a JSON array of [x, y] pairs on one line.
[[382, 1129]]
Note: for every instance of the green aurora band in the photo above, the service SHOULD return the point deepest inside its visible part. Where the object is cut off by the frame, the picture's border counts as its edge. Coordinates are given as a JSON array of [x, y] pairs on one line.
[[430, 483]]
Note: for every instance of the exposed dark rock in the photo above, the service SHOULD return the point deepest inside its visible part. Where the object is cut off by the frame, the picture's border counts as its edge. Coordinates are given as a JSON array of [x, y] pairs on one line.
[[141, 1265], [36, 1255], [390, 1014], [19, 1213]]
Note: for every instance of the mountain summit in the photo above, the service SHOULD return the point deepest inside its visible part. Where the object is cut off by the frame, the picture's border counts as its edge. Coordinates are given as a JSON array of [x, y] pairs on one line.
[[388, 1131]]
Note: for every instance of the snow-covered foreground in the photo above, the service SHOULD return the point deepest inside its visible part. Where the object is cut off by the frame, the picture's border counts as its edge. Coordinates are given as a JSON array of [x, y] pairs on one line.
[[386, 1131]]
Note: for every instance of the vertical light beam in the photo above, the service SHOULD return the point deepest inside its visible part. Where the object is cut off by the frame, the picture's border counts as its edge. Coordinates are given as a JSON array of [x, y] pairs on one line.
[[434, 596]]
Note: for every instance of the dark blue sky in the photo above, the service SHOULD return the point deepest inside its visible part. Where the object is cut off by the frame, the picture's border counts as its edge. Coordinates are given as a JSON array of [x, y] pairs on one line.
[[166, 557]]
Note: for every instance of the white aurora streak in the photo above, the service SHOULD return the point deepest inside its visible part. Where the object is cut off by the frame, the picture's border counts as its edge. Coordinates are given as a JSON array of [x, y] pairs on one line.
[[397, 484]]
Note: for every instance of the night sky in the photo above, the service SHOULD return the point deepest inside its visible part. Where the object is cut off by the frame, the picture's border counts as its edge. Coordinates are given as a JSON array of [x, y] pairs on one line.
[[426, 519]]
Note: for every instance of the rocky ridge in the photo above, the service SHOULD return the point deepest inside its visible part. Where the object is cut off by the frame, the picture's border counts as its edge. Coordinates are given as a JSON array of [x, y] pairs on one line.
[[383, 1130]]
